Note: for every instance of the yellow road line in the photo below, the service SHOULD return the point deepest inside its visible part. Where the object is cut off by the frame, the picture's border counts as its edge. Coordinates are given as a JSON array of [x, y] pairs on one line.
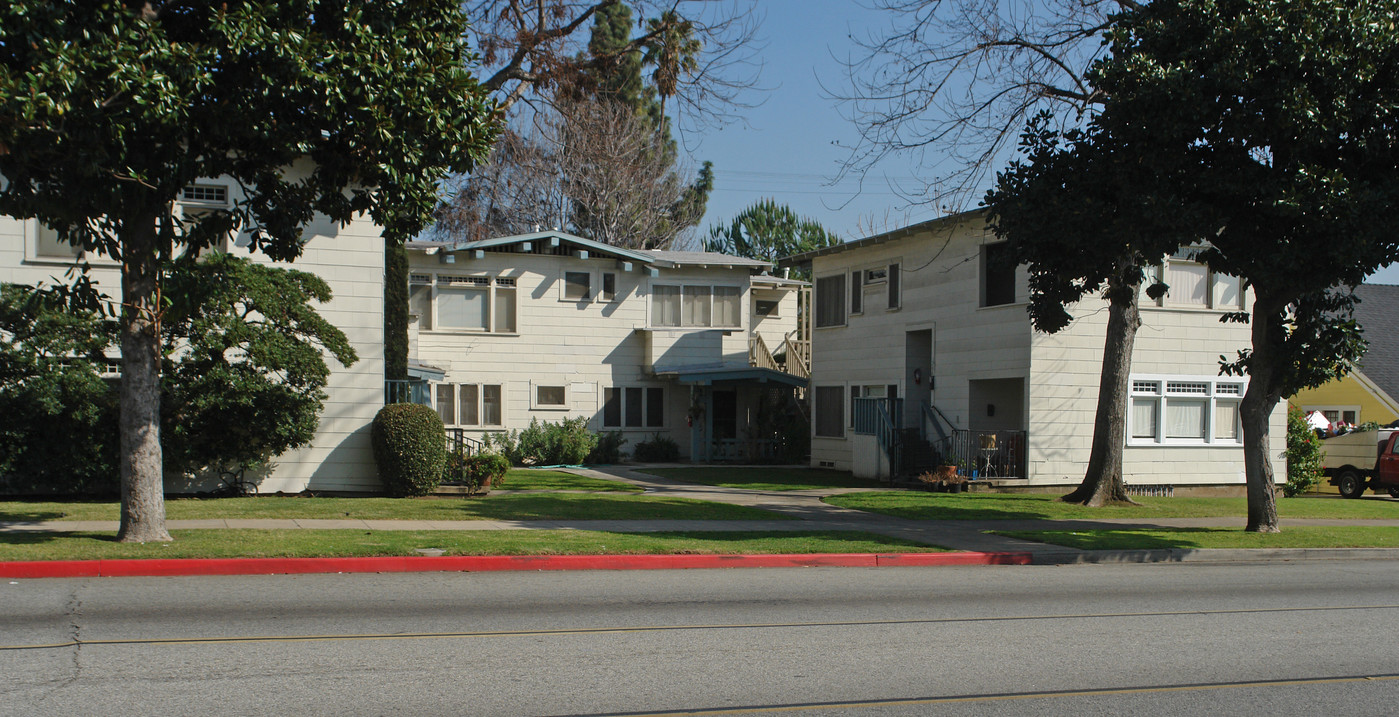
[[916, 701], [664, 628]]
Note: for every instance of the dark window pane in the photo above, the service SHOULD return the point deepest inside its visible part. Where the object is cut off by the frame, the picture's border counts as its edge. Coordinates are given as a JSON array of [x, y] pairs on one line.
[[655, 407], [633, 412], [612, 407]]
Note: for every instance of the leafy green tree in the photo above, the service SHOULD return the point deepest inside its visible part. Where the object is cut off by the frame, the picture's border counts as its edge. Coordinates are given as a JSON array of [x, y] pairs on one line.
[[243, 362], [1304, 454], [109, 109], [768, 230], [51, 366], [1285, 113], [1085, 220]]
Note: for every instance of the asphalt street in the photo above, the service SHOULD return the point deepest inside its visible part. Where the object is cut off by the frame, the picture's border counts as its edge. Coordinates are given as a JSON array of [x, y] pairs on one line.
[[1311, 637]]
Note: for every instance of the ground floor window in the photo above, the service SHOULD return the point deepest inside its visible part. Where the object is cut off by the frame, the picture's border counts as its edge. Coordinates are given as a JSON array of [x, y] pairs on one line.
[[829, 411], [633, 407], [1184, 410], [468, 404]]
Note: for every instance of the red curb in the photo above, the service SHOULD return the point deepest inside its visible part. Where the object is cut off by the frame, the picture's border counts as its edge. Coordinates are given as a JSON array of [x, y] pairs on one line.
[[486, 563]]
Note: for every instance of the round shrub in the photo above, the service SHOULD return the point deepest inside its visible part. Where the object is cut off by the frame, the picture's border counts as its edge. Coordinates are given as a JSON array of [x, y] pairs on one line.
[[410, 448], [485, 471]]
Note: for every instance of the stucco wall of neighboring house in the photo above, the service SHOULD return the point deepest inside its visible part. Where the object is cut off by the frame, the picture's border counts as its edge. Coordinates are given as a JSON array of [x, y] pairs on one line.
[[350, 259], [586, 345]]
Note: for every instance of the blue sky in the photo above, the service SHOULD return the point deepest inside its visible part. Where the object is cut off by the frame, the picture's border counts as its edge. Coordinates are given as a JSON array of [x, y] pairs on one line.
[[790, 147]]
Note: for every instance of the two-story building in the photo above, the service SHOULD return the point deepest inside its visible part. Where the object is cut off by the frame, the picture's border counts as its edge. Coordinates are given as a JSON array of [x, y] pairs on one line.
[[550, 326], [350, 258], [931, 320]]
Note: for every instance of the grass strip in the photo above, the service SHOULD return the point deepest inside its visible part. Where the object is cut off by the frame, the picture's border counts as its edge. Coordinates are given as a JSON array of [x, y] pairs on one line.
[[916, 505], [765, 478], [520, 506], [530, 479], [366, 543], [1307, 536]]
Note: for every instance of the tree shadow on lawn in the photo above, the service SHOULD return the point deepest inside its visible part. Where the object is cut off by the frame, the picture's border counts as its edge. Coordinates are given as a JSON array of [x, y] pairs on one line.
[[964, 506], [605, 507]]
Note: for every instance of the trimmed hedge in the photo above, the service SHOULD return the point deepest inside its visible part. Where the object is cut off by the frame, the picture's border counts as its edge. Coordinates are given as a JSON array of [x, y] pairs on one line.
[[410, 448]]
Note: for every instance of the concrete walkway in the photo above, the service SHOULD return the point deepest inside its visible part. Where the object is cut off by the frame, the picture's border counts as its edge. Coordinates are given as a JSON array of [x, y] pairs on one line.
[[810, 514]]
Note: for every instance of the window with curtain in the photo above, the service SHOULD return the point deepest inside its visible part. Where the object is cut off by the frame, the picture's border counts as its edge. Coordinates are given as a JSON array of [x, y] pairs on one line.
[[696, 308], [727, 304], [1184, 411], [665, 306]]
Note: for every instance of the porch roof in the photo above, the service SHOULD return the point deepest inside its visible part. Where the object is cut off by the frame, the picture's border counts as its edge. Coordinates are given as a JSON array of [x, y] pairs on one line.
[[708, 375]]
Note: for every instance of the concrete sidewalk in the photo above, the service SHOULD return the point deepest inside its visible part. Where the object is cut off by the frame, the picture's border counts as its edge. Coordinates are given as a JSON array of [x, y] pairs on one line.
[[811, 514]]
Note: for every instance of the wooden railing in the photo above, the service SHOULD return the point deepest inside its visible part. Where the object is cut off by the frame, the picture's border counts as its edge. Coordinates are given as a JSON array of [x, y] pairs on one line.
[[798, 356], [759, 355]]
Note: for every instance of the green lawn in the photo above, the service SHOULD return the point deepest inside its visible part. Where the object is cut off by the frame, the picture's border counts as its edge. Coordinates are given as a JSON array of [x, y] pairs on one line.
[[530, 479], [347, 543], [1011, 506], [1298, 537], [765, 478], [519, 506]]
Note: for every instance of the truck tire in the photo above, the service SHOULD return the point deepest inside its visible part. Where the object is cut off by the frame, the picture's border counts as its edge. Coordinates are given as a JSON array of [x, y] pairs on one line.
[[1351, 484], [1394, 492]]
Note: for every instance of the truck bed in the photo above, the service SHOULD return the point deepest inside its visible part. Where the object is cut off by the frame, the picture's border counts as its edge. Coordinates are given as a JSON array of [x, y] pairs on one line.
[[1358, 449]]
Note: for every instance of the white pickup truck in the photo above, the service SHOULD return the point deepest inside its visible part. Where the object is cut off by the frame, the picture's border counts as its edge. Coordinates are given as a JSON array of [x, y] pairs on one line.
[[1363, 459]]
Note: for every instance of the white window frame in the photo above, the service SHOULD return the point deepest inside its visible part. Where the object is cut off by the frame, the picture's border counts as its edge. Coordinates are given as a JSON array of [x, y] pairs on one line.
[[1160, 389], [1213, 286], [603, 294], [535, 405], [623, 414], [437, 388], [497, 285], [681, 286], [593, 286]]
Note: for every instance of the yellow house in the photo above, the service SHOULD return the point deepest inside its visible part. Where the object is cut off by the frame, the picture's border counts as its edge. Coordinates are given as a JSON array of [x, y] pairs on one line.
[[1368, 393]]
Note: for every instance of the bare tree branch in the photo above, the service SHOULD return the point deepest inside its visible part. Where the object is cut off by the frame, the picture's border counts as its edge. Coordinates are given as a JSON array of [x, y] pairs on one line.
[[952, 82]]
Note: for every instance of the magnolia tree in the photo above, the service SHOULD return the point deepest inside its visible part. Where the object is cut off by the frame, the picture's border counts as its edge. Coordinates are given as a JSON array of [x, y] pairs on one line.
[[108, 110]]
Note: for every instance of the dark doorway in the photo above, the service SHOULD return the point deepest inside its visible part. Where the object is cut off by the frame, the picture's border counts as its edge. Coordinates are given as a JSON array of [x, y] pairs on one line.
[[725, 415]]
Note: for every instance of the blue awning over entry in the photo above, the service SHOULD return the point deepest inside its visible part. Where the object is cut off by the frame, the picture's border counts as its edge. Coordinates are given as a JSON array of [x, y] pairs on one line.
[[710, 375]]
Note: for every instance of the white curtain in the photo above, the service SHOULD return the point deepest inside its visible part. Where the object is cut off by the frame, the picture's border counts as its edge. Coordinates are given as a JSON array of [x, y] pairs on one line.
[[1185, 418], [726, 306], [1144, 417], [461, 309], [665, 306], [1189, 283], [697, 306]]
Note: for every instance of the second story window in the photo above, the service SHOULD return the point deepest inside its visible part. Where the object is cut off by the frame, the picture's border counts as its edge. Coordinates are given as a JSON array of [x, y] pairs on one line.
[[997, 274], [697, 306], [463, 303], [830, 301]]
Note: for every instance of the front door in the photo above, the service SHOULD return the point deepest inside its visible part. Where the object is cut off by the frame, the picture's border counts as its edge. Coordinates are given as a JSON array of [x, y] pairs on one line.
[[725, 415]]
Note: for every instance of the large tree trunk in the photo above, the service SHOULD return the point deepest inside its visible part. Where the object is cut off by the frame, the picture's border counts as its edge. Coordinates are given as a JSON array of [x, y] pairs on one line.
[[1102, 483], [142, 482], [1254, 412]]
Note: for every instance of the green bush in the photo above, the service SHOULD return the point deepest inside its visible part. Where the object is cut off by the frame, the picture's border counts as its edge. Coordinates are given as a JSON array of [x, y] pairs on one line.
[[410, 448], [660, 449], [1304, 455], [608, 449], [484, 471], [568, 442]]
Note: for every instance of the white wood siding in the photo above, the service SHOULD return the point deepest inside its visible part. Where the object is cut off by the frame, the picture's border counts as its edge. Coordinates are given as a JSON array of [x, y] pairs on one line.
[[351, 260]]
